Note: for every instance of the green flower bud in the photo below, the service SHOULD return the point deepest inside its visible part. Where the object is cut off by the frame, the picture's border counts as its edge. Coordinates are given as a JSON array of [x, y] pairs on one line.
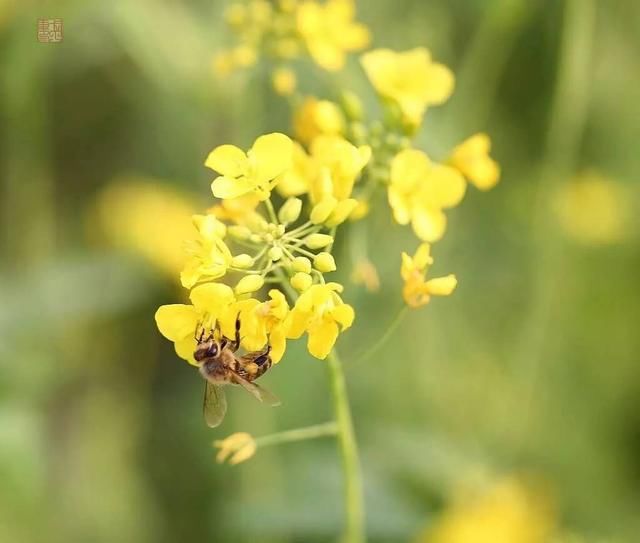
[[323, 209], [301, 281], [275, 253], [242, 261], [352, 105], [318, 241], [290, 210], [255, 238], [324, 262], [249, 283], [301, 264]]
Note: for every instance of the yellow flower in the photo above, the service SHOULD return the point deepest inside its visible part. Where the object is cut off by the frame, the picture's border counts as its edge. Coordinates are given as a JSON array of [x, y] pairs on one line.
[[322, 314], [314, 117], [338, 164], [254, 172], [211, 303], [239, 447], [419, 190], [472, 159], [284, 81], [210, 256], [329, 31], [409, 78], [508, 512], [127, 212], [295, 181], [264, 323], [417, 292], [594, 210]]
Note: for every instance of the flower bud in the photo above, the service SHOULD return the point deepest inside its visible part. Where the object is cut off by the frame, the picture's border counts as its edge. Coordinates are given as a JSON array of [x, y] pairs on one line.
[[255, 238], [324, 262], [352, 105], [242, 261], [301, 281], [237, 447], [284, 81], [342, 212], [318, 241], [249, 283], [323, 209], [209, 226], [275, 253], [290, 210], [301, 264], [239, 232]]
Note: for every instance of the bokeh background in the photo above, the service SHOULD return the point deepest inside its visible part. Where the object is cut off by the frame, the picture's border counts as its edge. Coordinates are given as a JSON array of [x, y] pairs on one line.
[[512, 407]]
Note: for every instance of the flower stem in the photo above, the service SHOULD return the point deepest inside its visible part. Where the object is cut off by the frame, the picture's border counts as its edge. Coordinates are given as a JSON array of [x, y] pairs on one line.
[[299, 434], [354, 506], [384, 338]]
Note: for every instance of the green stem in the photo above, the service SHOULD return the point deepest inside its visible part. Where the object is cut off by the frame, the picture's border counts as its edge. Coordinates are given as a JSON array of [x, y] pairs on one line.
[[354, 503], [271, 211], [299, 434]]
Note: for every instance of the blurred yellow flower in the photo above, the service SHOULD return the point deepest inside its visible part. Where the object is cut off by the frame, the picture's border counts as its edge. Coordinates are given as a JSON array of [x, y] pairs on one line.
[[254, 172], [593, 210], [365, 273], [417, 291], [127, 212], [211, 303], [472, 159], [284, 81], [238, 447], [315, 117], [338, 164], [209, 255], [419, 191], [508, 512], [322, 314], [409, 78], [330, 32]]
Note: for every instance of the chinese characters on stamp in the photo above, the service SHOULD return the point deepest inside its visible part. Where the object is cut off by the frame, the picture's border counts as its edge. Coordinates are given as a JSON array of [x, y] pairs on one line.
[[50, 30]]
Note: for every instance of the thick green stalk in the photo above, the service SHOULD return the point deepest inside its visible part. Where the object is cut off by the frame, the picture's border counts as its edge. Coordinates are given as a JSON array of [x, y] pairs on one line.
[[354, 503]]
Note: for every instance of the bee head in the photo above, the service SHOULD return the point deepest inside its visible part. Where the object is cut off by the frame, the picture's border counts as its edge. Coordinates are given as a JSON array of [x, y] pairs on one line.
[[206, 349]]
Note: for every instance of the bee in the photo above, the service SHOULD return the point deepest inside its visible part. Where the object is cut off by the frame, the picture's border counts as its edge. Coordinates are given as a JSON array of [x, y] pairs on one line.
[[220, 365]]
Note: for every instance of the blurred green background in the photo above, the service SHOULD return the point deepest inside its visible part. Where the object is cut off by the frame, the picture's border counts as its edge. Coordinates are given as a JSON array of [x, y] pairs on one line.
[[530, 370]]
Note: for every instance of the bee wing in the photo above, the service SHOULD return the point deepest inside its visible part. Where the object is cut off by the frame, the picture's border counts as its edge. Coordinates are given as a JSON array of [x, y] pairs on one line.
[[214, 404], [259, 392]]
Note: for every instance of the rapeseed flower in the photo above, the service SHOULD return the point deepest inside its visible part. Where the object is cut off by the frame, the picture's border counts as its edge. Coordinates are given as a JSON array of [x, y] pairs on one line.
[[472, 159], [321, 313], [417, 291], [254, 172], [330, 32], [237, 447], [314, 117], [410, 79], [420, 190]]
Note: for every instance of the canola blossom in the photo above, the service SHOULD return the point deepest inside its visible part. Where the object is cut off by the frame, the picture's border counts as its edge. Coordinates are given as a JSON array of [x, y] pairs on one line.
[[260, 260]]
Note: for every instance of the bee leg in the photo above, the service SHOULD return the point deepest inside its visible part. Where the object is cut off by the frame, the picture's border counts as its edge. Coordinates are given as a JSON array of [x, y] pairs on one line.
[[263, 357], [235, 344]]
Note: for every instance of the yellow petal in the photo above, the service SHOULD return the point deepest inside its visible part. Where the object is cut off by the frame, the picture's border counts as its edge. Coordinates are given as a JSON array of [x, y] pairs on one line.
[[296, 323], [441, 84], [176, 321], [185, 349], [442, 286], [227, 160], [322, 338], [422, 258], [212, 297], [448, 186], [227, 187], [429, 224], [343, 315], [408, 169], [278, 343], [271, 155]]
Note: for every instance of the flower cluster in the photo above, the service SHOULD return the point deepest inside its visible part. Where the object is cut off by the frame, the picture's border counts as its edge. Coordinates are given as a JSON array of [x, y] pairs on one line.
[[244, 240], [280, 203], [285, 30]]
